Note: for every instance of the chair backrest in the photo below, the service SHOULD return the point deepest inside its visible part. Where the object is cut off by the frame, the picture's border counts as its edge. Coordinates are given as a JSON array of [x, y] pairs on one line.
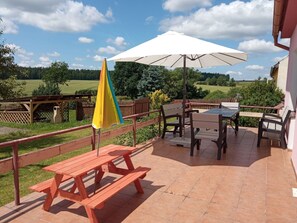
[[230, 105], [206, 121], [172, 109], [285, 115]]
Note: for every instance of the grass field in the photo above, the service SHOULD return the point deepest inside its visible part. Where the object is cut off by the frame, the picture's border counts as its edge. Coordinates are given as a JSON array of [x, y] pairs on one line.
[[75, 85]]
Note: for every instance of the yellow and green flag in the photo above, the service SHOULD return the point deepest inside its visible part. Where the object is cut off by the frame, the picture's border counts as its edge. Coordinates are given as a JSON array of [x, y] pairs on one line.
[[107, 111]]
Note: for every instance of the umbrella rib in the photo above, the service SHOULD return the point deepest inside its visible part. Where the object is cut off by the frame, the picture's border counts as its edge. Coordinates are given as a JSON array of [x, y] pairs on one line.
[[176, 60], [196, 58], [232, 57], [155, 60]]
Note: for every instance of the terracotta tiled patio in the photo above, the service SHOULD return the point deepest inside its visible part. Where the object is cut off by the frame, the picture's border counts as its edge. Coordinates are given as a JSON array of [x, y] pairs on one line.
[[249, 184]]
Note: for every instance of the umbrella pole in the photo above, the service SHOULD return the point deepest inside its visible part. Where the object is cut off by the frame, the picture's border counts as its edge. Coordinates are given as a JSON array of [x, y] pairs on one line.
[[98, 142], [184, 89]]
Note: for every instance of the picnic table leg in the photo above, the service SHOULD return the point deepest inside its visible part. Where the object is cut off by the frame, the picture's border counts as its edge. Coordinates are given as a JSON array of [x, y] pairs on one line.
[[91, 215], [52, 192], [81, 187], [131, 167]]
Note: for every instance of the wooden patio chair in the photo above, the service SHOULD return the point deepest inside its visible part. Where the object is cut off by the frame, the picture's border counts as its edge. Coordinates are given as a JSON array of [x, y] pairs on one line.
[[273, 127], [232, 120], [172, 117], [208, 126]]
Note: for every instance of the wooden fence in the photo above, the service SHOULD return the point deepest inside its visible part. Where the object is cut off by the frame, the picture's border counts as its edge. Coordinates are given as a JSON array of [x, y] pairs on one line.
[[17, 161]]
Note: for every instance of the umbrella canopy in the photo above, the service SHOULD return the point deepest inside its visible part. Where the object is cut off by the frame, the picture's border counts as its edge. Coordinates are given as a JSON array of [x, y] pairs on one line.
[[107, 111], [173, 49]]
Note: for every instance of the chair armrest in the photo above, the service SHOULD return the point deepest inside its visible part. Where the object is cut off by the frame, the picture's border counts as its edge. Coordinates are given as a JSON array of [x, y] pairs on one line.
[[191, 111], [271, 115], [271, 121], [173, 116]]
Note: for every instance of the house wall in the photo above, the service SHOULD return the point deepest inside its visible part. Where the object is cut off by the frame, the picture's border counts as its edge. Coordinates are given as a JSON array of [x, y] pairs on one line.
[[282, 74], [291, 92]]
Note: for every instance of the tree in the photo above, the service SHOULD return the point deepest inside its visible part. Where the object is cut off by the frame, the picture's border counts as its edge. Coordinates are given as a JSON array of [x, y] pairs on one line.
[[152, 79], [9, 86], [56, 74], [125, 78]]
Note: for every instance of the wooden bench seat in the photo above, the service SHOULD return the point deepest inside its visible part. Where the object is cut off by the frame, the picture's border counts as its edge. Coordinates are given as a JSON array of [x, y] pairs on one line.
[[45, 185], [97, 200]]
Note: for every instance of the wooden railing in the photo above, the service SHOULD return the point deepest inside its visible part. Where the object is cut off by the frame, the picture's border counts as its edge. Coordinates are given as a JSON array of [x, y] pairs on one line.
[[17, 161]]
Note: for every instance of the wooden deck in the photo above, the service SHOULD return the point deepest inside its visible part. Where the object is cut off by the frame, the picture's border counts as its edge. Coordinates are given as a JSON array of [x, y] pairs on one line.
[[248, 184]]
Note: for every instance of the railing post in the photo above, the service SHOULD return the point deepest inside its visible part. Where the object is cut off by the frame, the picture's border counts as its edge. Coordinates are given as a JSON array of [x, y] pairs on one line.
[[15, 163], [134, 131], [159, 123], [93, 138]]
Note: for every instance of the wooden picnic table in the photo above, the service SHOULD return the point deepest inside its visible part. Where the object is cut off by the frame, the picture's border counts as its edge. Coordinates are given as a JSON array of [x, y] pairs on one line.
[[78, 167]]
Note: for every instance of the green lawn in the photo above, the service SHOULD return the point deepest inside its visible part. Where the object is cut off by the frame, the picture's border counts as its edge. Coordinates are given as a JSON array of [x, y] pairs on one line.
[[73, 86]]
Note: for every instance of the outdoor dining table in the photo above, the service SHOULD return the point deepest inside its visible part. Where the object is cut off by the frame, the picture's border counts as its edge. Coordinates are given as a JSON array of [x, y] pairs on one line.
[[227, 113], [78, 167]]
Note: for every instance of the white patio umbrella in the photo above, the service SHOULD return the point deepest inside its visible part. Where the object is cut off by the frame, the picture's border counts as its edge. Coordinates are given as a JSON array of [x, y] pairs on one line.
[[173, 49]]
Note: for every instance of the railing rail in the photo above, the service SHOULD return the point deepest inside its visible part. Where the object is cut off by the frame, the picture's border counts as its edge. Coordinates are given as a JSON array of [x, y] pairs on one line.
[[14, 162]]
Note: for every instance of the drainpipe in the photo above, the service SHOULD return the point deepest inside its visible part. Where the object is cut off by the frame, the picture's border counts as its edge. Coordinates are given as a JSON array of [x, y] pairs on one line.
[[277, 16]]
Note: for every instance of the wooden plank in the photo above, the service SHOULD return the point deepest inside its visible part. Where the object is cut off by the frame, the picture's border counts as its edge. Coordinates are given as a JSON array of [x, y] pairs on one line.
[[37, 156], [147, 123], [115, 187], [6, 165], [45, 185], [76, 144]]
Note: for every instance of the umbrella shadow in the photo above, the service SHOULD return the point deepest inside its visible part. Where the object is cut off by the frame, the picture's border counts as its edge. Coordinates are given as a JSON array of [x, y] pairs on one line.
[[241, 151]]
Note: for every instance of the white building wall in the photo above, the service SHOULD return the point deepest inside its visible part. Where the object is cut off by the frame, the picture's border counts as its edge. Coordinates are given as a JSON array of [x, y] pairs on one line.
[[282, 74], [291, 94]]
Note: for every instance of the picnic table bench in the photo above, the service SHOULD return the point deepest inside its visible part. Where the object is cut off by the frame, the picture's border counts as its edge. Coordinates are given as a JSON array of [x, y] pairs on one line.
[[76, 168]]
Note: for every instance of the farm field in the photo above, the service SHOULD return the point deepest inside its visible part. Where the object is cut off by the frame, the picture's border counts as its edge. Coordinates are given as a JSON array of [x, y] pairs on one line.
[[75, 85]]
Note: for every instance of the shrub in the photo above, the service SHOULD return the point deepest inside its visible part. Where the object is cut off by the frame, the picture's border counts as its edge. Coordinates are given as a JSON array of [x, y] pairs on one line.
[[158, 98]]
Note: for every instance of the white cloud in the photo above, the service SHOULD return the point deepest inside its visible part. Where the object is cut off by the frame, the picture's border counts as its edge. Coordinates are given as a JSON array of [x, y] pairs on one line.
[[98, 58], [258, 46], [23, 57], [278, 59], [234, 73], [118, 41], [108, 50], [85, 40], [185, 5], [57, 16], [236, 20], [149, 19], [54, 54], [78, 59], [254, 67], [44, 61], [77, 66]]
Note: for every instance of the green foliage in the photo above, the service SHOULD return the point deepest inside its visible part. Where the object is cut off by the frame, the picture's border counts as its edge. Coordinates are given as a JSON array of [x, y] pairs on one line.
[[86, 92], [125, 78], [152, 79], [158, 98], [215, 95], [48, 89], [261, 93], [56, 74], [142, 135], [9, 87]]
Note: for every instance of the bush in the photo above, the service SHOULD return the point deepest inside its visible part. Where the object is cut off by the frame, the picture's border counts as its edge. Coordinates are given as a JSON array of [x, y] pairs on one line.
[[158, 98], [216, 95], [142, 135], [86, 92], [48, 89]]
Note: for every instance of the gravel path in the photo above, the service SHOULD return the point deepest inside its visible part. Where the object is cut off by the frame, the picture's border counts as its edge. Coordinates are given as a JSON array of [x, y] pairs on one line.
[[6, 130]]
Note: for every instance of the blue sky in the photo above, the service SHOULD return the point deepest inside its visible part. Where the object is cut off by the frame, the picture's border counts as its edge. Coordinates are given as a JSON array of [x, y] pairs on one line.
[[81, 33]]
